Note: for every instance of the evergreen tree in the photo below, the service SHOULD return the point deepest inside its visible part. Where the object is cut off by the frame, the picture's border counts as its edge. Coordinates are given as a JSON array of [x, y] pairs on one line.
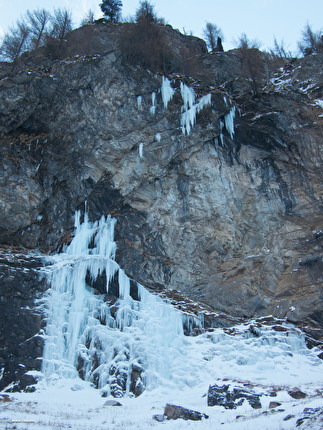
[[111, 9]]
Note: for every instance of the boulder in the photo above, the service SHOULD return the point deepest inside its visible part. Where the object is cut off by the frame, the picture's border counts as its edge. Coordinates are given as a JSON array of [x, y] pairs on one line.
[[174, 412], [297, 394], [112, 403], [231, 398]]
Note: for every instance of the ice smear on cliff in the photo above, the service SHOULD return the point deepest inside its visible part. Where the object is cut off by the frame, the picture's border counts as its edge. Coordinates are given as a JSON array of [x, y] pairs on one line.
[[167, 91], [141, 150], [190, 109], [139, 102], [229, 121]]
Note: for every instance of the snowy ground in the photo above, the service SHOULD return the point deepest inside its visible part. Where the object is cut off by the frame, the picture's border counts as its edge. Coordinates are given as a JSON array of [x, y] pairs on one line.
[[274, 362], [61, 407]]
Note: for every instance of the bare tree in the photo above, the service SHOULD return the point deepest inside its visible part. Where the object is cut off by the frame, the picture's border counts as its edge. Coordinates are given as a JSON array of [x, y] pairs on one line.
[[244, 42], [61, 24], [146, 14], [251, 61], [88, 19], [214, 36], [16, 41], [311, 42], [279, 50], [38, 22]]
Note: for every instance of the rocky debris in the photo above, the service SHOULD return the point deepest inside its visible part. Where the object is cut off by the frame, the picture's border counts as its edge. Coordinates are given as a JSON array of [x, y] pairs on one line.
[[174, 412], [297, 394], [272, 411], [311, 417], [231, 398], [112, 403]]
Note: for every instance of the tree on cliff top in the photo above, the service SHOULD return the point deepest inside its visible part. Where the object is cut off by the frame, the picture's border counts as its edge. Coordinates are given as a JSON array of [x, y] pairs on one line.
[[146, 13], [312, 41], [213, 36], [16, 41], [111, 9], [61, 24]]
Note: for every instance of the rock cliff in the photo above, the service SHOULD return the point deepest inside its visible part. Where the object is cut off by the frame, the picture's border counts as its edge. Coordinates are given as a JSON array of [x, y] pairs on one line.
[[218, 197]]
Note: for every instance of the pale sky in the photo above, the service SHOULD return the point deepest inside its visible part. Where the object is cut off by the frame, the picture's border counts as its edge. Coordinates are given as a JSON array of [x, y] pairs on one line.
[[259, 19]]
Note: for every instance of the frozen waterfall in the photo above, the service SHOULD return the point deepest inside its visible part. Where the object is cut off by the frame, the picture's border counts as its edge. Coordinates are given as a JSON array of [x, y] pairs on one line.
[[111, 339]]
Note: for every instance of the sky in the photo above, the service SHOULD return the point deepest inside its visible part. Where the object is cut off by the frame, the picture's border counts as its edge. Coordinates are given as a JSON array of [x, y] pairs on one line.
[[259, 19]]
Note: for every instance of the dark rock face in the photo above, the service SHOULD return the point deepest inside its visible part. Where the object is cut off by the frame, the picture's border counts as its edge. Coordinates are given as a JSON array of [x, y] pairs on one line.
[[174, 412], [231, 399], [20, 320], [231, 218]]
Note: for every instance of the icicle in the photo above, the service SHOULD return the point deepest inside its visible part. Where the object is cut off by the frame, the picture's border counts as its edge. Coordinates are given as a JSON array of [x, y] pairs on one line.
[[167, 91], [190, 109], [229, 121], [139, 101], [153, 101], [141, 148], [188, 96]]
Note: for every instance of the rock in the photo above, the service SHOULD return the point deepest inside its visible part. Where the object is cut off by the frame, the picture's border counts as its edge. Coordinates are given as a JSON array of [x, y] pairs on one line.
[[20, 318], [5, 398], [274, 405], [289, 417], [112, 403], [231, 399], [297, 394], [159, 417], [174, 412]]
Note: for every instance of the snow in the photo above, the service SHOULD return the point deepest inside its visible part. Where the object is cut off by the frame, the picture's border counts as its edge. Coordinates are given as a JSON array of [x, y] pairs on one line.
[[158, 137], [167, 91], [319, 102]]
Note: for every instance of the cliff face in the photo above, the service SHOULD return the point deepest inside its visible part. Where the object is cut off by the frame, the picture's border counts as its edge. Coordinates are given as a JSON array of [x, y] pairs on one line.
[[229, 214]]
